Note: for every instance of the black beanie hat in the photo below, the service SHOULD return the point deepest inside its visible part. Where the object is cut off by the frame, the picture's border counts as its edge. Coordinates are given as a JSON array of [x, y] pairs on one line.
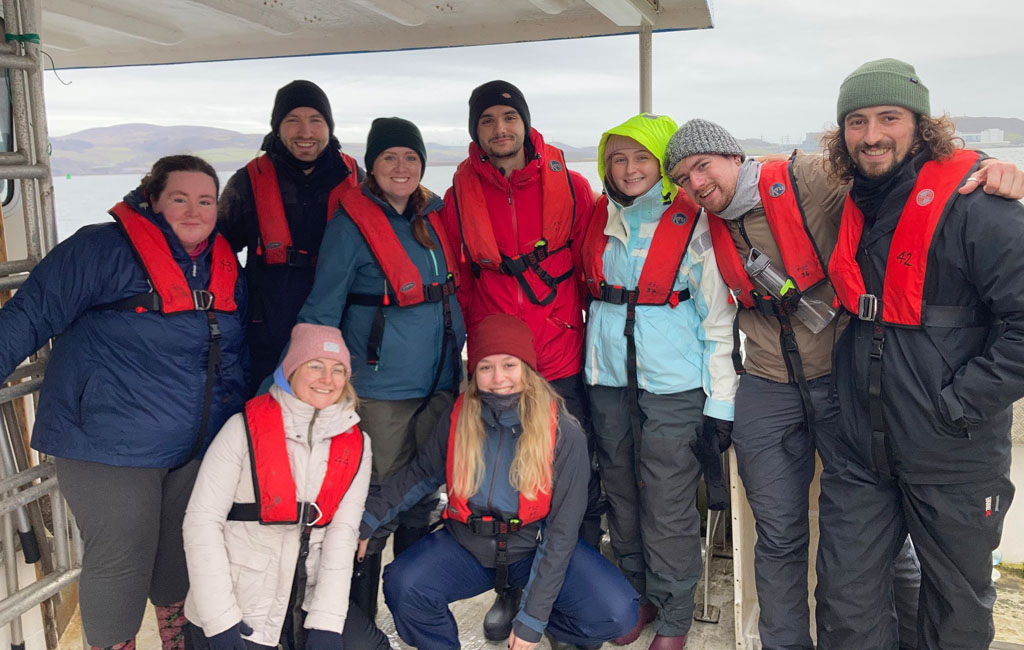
[[496, 93], [387, 132], [300, 93]]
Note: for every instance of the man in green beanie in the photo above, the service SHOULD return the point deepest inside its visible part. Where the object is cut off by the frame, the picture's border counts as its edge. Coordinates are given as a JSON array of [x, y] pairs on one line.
[[928, 371]]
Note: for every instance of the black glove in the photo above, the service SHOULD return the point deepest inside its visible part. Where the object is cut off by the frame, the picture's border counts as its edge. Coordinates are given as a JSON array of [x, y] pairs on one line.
[[231, 638], [323, 640], [712, 439]]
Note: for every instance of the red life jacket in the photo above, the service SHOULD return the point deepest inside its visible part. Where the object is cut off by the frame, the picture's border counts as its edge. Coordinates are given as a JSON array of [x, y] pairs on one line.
[[558, 207], [171, 293], [789, 228], [275, 245], [272, 475], [665, 254], [906, 268], [530, 510], [403, 276]]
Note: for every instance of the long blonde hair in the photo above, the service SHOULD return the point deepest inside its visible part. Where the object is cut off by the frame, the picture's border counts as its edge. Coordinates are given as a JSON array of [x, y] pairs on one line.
[[530, 473]]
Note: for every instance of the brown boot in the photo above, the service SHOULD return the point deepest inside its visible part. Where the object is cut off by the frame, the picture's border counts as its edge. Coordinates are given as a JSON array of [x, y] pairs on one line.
[[647, 613], [668, 642]]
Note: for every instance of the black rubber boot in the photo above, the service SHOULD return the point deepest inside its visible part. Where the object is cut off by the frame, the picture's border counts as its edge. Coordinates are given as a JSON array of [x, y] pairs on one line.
[[561, 645], [366, 584], [405, 537], [498, 620]]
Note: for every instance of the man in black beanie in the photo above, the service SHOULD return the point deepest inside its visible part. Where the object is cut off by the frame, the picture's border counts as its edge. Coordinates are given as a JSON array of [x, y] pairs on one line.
[[277, 207], [519, 216]]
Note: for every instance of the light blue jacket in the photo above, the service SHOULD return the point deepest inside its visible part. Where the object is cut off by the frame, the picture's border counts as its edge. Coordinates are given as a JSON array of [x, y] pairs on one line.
[[679, 348]]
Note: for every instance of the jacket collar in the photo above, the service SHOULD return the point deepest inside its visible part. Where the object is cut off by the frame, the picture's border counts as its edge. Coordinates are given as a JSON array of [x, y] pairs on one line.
[[530, 173], [335, 419]]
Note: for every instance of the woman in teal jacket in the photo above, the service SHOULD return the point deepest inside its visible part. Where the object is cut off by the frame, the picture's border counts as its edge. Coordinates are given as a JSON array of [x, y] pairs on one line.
[[386, 278], [658, 362]]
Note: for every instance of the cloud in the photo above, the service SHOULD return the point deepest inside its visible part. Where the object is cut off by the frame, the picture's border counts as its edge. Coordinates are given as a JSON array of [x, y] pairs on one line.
[[767, 69]]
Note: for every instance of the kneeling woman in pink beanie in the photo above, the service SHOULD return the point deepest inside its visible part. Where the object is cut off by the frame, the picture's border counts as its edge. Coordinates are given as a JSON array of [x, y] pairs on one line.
[[270, 531]]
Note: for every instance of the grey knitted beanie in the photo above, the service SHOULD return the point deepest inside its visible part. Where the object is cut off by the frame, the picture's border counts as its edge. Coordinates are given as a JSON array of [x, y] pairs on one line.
[[700, 136], [885, 82]]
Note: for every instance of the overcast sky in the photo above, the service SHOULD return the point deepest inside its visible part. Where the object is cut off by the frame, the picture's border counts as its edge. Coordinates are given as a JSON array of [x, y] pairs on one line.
[[769, 68]]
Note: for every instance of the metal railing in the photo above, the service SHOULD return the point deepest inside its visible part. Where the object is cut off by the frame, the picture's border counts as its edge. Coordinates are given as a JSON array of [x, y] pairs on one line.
[[53, 542]]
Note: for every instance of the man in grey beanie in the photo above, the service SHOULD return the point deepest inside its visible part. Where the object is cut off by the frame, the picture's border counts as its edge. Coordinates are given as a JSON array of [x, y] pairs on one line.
[[784, 396], [931, 365]]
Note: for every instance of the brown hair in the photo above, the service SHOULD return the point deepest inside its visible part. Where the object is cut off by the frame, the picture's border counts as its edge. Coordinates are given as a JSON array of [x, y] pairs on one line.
[[419, 200], [932, 134], [155, 181]]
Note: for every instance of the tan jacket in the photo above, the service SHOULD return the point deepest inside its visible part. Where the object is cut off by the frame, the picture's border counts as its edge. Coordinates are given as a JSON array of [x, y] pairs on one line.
[[822, 203], [242, 570]]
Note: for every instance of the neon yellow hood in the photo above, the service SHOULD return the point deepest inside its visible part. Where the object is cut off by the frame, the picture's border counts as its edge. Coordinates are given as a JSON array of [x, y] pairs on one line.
[[653, 132]]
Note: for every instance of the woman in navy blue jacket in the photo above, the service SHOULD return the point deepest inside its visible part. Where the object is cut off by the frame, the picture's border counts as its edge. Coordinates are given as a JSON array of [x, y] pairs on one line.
[[386, 278], [147, 365]]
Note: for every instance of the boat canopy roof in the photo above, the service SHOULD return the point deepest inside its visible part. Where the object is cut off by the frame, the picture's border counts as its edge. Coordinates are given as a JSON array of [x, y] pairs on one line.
[[101, 33]]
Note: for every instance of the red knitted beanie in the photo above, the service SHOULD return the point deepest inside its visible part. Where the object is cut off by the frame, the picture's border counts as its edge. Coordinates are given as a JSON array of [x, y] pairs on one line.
[[501, 334]]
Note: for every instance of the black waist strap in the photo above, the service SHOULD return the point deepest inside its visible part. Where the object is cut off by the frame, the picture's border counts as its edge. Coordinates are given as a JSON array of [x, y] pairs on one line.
[[435, 292], [305, 512], [616, 295], [296, 258], [202, 300], [213, 359]]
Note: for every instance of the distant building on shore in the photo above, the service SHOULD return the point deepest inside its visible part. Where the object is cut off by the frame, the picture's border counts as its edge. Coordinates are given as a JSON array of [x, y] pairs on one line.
[[987, 136]]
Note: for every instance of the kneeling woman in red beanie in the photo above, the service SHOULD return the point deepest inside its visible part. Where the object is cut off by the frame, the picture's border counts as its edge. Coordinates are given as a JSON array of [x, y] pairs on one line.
[[516, 467], [270, 530]]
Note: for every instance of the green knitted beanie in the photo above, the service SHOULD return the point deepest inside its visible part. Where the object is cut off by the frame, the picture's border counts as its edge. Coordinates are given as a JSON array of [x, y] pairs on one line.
[[885, 82]]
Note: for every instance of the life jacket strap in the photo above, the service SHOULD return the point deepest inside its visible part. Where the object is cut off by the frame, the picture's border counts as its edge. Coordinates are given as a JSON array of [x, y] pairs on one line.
[[202, 300], [307, 513], [487, 526]]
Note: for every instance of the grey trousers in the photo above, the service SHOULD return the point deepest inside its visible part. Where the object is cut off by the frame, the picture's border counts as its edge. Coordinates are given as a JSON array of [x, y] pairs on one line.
[[775, 459], [130, 519], [395, 436], [655, 529]]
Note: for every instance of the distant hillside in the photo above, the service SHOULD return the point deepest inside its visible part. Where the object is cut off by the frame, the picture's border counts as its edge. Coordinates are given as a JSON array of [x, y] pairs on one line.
[[132, 148]]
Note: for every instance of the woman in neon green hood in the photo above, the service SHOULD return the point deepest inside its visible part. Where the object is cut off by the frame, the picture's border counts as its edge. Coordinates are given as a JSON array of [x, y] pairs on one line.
[[651, 392]]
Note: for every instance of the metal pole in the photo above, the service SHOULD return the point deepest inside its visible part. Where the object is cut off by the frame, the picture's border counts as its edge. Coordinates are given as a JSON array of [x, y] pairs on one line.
[[22, 138], [30, 13], [11, 574], [646, 74]]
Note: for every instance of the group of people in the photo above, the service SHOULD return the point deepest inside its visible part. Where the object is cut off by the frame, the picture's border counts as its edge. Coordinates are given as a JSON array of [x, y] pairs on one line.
[[238, 445]]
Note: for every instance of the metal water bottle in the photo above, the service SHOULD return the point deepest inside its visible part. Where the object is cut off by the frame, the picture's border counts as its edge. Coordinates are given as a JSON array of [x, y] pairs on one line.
[[814, 313]]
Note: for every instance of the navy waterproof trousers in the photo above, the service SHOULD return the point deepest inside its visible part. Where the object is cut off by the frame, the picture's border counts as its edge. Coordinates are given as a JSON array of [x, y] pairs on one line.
[[595, 604]]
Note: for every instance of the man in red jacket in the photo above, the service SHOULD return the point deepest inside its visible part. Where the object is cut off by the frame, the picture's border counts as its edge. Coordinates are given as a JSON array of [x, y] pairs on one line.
[[517, 216]]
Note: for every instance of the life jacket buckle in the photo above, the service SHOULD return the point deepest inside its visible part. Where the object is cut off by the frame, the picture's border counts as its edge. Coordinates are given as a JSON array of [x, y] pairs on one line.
[[308, 510], [202, 299], [867, 307]]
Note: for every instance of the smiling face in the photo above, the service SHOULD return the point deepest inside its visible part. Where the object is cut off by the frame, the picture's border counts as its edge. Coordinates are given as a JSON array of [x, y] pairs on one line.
[[189, 204], [501, 374], [501, 132], [710, 179], [319, 382], [304, 133], [632, 169], [879, 138], [397, 171]]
